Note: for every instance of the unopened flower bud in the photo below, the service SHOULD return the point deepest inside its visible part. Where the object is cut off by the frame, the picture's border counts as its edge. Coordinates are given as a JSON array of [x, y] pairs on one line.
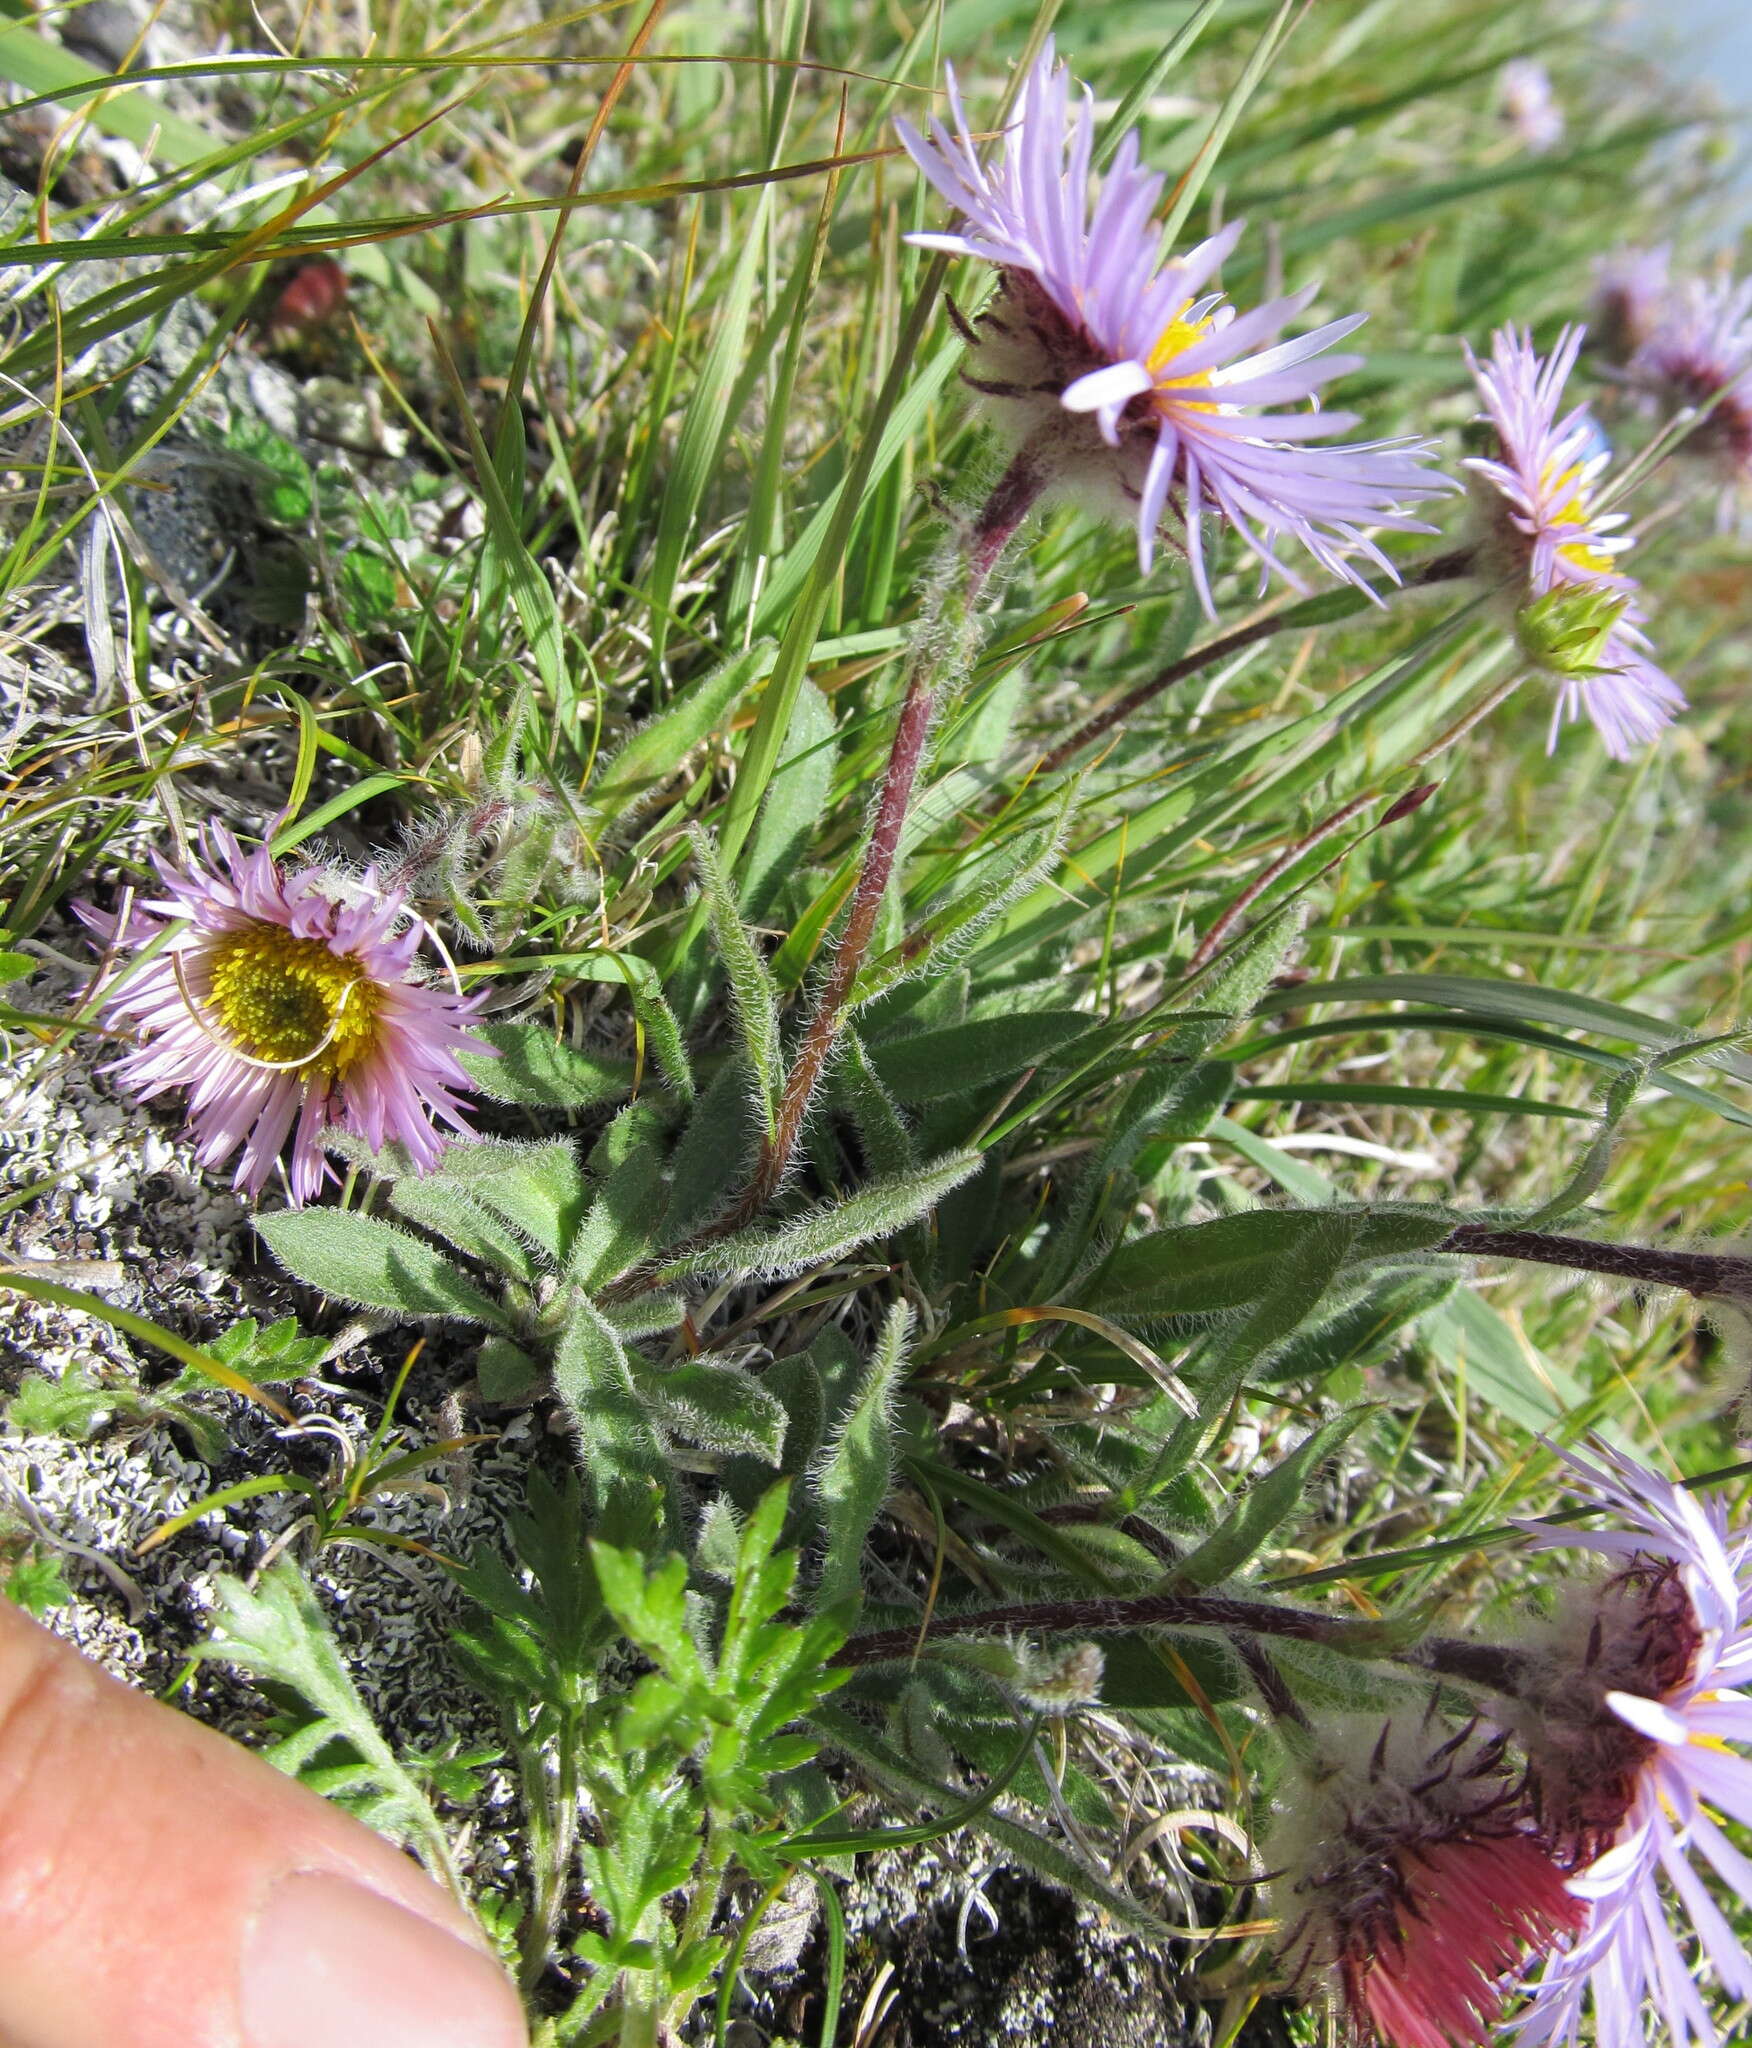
[[1062, 1679], [1053, 1678]]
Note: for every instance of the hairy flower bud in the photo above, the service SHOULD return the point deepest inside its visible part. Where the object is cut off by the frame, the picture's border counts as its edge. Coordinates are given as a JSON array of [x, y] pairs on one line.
[[1061, 1678], [1053, 1678]]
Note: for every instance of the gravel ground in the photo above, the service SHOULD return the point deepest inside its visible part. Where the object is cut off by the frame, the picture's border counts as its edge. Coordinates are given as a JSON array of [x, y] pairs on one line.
[[132, 1221]]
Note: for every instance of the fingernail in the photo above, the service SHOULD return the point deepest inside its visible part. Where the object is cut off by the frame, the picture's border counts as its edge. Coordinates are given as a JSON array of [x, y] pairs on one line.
[[332, 1965]]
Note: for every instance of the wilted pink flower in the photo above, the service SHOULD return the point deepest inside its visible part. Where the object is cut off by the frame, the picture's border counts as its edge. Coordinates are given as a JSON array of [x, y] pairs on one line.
[[1699, 354], [1531, 110], [1412, 1885], [1636, 1731], [1143, 389], [1544, 534], [288, 996]]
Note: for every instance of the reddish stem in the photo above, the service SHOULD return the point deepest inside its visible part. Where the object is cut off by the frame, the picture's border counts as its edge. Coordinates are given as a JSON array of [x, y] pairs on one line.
[[1440, 570], [1703, 1274], [1401, 807], [1102, 1616], [1003, 513], [1495, 1666]]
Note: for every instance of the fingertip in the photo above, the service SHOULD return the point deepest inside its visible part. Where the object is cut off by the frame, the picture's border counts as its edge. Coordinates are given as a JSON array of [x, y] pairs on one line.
[[160, 1887], [329, 1962]]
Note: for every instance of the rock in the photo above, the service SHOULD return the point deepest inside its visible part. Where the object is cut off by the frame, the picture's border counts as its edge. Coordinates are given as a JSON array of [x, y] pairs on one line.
[[103, 32]]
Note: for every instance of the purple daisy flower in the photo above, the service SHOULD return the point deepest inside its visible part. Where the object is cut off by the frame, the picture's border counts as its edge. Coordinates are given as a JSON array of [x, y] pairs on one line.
[[1699, 353], [1634, 1727], [1630, 290], [1529, 106], [1544, 535], [1140, 385], [287, 996]]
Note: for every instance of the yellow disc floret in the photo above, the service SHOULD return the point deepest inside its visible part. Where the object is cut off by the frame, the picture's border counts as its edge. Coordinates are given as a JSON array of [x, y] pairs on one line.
[[291, 1001], [1175, 339], [1572, 509]]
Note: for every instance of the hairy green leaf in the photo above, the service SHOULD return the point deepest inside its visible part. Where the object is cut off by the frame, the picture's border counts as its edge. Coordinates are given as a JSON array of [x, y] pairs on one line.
[[796, 801], [887, 1142], [834, 1229], [1309, 1260], [505, 1371], [539, 1189], [754, 996], [1172, 1102], [530, 1065], [1266, 1505], [717, 1406], [714, 1152], [469, 1226], [961, 1058], [360, 1259], [656, 750], [952, 931], [618, 1450], [1202, 1268], [621, 1223], [856, 1471]]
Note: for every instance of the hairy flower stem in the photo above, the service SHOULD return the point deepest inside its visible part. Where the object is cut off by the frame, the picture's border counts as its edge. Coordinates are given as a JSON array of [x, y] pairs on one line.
[[1440, 569], [1490, 1665], [640, 2022], [1099, 1615], [1280, 1701], [1697, 1273], [934, 655]]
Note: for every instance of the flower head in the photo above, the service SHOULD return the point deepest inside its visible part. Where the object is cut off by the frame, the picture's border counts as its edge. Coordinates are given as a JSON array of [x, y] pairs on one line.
[[1411, 1884], [1529, 106], [1634, 1726], [287, 996], [1544, 533], [1144, 388], [1630, 289], [1698, 353]]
